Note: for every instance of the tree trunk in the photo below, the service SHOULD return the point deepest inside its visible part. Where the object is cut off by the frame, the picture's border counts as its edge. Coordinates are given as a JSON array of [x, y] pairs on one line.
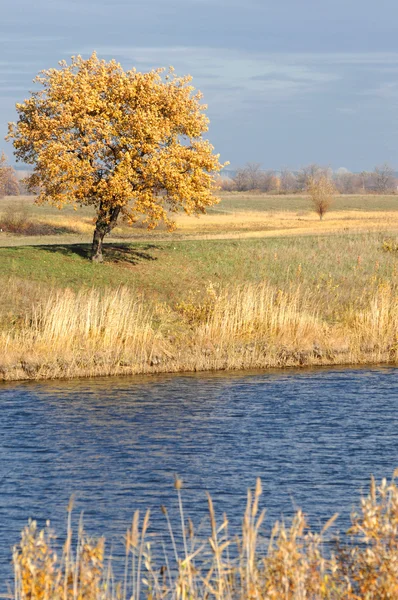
[[106, 221], [96, 249]]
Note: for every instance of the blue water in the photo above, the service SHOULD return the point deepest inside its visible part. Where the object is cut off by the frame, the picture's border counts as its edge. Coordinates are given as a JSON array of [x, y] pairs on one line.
[[314, 437]]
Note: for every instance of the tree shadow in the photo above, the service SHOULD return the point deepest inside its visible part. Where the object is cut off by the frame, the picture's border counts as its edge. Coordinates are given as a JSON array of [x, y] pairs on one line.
[[113, 253]]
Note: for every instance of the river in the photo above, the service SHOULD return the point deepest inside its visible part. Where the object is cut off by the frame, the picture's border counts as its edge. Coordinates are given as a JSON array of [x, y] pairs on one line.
[[313, 436]]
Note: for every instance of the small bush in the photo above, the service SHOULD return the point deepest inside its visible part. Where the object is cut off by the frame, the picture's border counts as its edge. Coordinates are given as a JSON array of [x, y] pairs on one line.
[[9, 185], [321, 191], [198, 308], [16, 219]]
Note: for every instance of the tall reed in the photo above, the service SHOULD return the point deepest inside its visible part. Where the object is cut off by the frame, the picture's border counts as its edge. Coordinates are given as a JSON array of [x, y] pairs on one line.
[[251, 326], [286, 561], [262, 313], [83, 332], [375, 329]]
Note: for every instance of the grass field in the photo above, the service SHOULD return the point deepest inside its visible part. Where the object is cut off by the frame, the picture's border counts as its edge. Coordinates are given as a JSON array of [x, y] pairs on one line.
[[332, 272], [339, 269], [236, 216]]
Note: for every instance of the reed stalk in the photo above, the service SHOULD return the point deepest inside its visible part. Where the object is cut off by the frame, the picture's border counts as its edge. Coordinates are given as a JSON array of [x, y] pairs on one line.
[[286, 561]]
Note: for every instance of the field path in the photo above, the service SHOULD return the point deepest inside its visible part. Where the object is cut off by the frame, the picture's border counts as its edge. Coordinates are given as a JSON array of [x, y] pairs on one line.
[[325, 228]]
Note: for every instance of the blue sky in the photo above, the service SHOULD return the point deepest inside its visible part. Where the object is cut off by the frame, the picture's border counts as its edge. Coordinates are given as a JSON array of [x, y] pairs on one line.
[[288, 82]]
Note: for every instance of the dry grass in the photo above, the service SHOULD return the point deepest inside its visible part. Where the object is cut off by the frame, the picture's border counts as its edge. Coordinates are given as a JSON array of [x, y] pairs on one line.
[[250, 224], [223, 226], [287, 562], [80, 333], [239, 226], [239, 215], [250, 326]]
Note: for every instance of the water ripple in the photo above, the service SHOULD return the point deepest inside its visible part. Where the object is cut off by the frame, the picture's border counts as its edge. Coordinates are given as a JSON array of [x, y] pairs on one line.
[[313, 437]]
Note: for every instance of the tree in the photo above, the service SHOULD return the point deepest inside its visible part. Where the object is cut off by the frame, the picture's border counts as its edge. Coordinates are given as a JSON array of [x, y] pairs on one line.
[[288, 181], [253, 177], [346, 182], [384, 179], [364, 175], [268, 181], [321, 191], [248, 177], [8, 180], [125, 142], [308, 174]]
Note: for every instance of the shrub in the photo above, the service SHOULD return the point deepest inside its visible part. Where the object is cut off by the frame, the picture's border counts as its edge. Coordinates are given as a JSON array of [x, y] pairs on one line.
[[321, 191]]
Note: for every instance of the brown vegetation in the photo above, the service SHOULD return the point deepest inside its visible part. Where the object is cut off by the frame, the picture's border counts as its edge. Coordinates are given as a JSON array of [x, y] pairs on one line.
[[288, 561], [16, 219], [252, 177], [9, 185], [239, 215], [252, 326], [321, 191]]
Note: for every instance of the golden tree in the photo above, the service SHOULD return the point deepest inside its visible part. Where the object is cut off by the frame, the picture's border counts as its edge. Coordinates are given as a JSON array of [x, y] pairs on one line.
[[125, 142], [321, 191]]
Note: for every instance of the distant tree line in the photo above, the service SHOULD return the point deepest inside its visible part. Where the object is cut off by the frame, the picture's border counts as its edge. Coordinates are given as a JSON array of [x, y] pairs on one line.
[[252, 177], [381, 180]]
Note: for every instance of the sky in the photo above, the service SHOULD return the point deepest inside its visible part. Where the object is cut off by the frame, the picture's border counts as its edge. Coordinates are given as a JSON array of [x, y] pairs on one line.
[[287, 82]]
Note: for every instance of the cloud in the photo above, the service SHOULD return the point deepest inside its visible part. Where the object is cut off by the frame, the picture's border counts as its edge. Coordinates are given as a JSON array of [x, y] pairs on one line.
[[299, 59], [255, 66], [346, 110], [296, 73], [387, 90], [242, 75], [350, 58], [233, 79], [237, 81], [18, 37]]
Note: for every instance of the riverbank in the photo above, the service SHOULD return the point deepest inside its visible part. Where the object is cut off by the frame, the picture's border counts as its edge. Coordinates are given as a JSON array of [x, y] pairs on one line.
[[252, 326], [205, 304]]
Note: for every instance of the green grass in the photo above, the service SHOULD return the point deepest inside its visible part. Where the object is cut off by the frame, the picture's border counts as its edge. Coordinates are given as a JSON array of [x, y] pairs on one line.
[[302, 293], [231, 202], [340, 268]]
